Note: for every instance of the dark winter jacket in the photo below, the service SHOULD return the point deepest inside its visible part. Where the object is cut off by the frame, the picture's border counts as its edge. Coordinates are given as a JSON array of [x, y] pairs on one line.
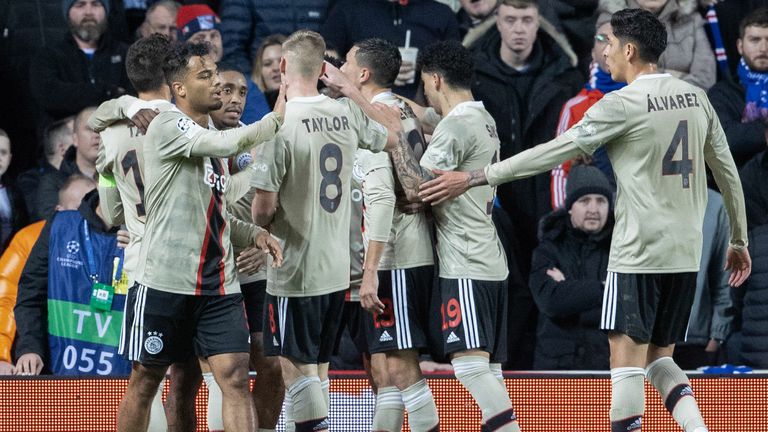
[[753, 180], [19, 216], [29, 181], [728, 98], [526, 108], [754, 324], [569, 335], [351, 21], [48, 187], [64, 80], [245, 23]]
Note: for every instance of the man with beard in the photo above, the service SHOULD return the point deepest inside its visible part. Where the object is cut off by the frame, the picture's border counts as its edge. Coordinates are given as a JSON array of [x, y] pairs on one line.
[[84, 69], [741, 103]]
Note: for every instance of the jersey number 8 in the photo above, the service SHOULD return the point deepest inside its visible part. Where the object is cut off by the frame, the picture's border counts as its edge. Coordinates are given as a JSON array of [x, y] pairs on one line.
[[330, 177]]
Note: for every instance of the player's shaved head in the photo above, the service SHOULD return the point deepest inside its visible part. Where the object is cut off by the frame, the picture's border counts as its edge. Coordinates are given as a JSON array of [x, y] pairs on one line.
[[73, 190], [81, 119], [303, 52]]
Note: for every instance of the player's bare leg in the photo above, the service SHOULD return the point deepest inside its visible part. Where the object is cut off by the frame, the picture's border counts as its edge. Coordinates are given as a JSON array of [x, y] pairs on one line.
[[628, 360], [674, 387], [268, 390], [388, 414], [303, 385], [133, 414], [405, 374], [180, 406], [214, 414], [473, 370], [231, 373]]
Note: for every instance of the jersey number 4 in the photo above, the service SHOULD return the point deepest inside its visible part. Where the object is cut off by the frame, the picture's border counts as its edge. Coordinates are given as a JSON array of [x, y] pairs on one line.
[[684, 166]]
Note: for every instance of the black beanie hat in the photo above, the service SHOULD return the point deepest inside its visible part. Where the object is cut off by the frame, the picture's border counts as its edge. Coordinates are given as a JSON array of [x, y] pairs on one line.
[[585, 180]]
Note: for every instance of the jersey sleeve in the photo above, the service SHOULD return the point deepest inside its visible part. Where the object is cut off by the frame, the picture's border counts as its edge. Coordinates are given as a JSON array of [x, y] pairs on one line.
[[270, 166], [239, 184], [371, 135], [379, 198], [445, 151], [719, 159], [602, 122], [182, 137], [242, 234], [110, 112]]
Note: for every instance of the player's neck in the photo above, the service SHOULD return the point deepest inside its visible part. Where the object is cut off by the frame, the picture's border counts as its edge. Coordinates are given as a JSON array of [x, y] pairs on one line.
[[164, 94], [298, 87], [372, 90], [450, 98], [201, 118], [634, 71]]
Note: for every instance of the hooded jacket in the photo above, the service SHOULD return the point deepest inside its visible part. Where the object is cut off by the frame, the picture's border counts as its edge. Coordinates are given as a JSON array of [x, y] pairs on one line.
[[569, 335], [729, 99], [754, 305], [526, 107], [689, 55]]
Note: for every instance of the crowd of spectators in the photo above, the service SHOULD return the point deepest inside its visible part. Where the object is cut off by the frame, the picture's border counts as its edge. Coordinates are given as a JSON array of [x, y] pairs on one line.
[[539, 67]]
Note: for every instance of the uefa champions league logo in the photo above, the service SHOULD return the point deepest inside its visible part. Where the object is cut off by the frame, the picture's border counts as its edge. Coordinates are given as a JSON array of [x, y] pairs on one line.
[[73, 247]]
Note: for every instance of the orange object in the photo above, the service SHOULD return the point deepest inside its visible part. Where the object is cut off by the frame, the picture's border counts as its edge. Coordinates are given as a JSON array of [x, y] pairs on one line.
[[11, 264]]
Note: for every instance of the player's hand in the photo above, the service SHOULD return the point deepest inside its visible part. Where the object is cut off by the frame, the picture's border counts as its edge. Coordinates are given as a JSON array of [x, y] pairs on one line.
[[388, 116], [336, 80], [556, 274], [270, 245], [6, 368], [369, 293], [143, 118], [281, 100], [123, 238], [28, 364], [406, 74], [447, 185], [740, 265], [251, 260], [712, 346]]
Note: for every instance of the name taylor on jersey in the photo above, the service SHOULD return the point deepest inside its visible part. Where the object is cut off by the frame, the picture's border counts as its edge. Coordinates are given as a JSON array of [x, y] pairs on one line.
[[326, 124]]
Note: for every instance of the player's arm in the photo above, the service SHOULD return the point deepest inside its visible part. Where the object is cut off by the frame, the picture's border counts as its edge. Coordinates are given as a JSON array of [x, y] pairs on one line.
[[110, 201], [244, 234], [410, 173], [269, 170], [238, 185], [182, 137], [427, 116], [719, 159], [379, 197], [264, 207], [382, 115], [602, 122], [110, 112]]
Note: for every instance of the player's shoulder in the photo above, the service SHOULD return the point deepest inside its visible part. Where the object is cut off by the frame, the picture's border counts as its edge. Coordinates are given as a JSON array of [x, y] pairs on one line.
[[171, 122]]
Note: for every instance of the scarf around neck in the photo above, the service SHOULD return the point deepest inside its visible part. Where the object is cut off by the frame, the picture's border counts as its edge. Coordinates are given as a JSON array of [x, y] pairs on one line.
[[756, 84]]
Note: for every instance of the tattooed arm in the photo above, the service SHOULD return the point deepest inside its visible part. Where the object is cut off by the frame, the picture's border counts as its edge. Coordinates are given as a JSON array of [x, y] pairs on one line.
[[409, 172]]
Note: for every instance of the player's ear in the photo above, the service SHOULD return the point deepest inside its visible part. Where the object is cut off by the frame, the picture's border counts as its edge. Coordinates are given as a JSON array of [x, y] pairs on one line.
[[630, 50], [365, 75], [322, 69], [438, 81], [282, 65], [178, 89]]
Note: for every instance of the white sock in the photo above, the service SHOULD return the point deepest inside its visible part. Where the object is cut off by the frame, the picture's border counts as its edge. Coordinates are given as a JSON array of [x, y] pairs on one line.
[[675, 390], [215, 419], [475, 375], [422, 412], [290, 425], [627, 398], [388, 414], [157, 420]]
